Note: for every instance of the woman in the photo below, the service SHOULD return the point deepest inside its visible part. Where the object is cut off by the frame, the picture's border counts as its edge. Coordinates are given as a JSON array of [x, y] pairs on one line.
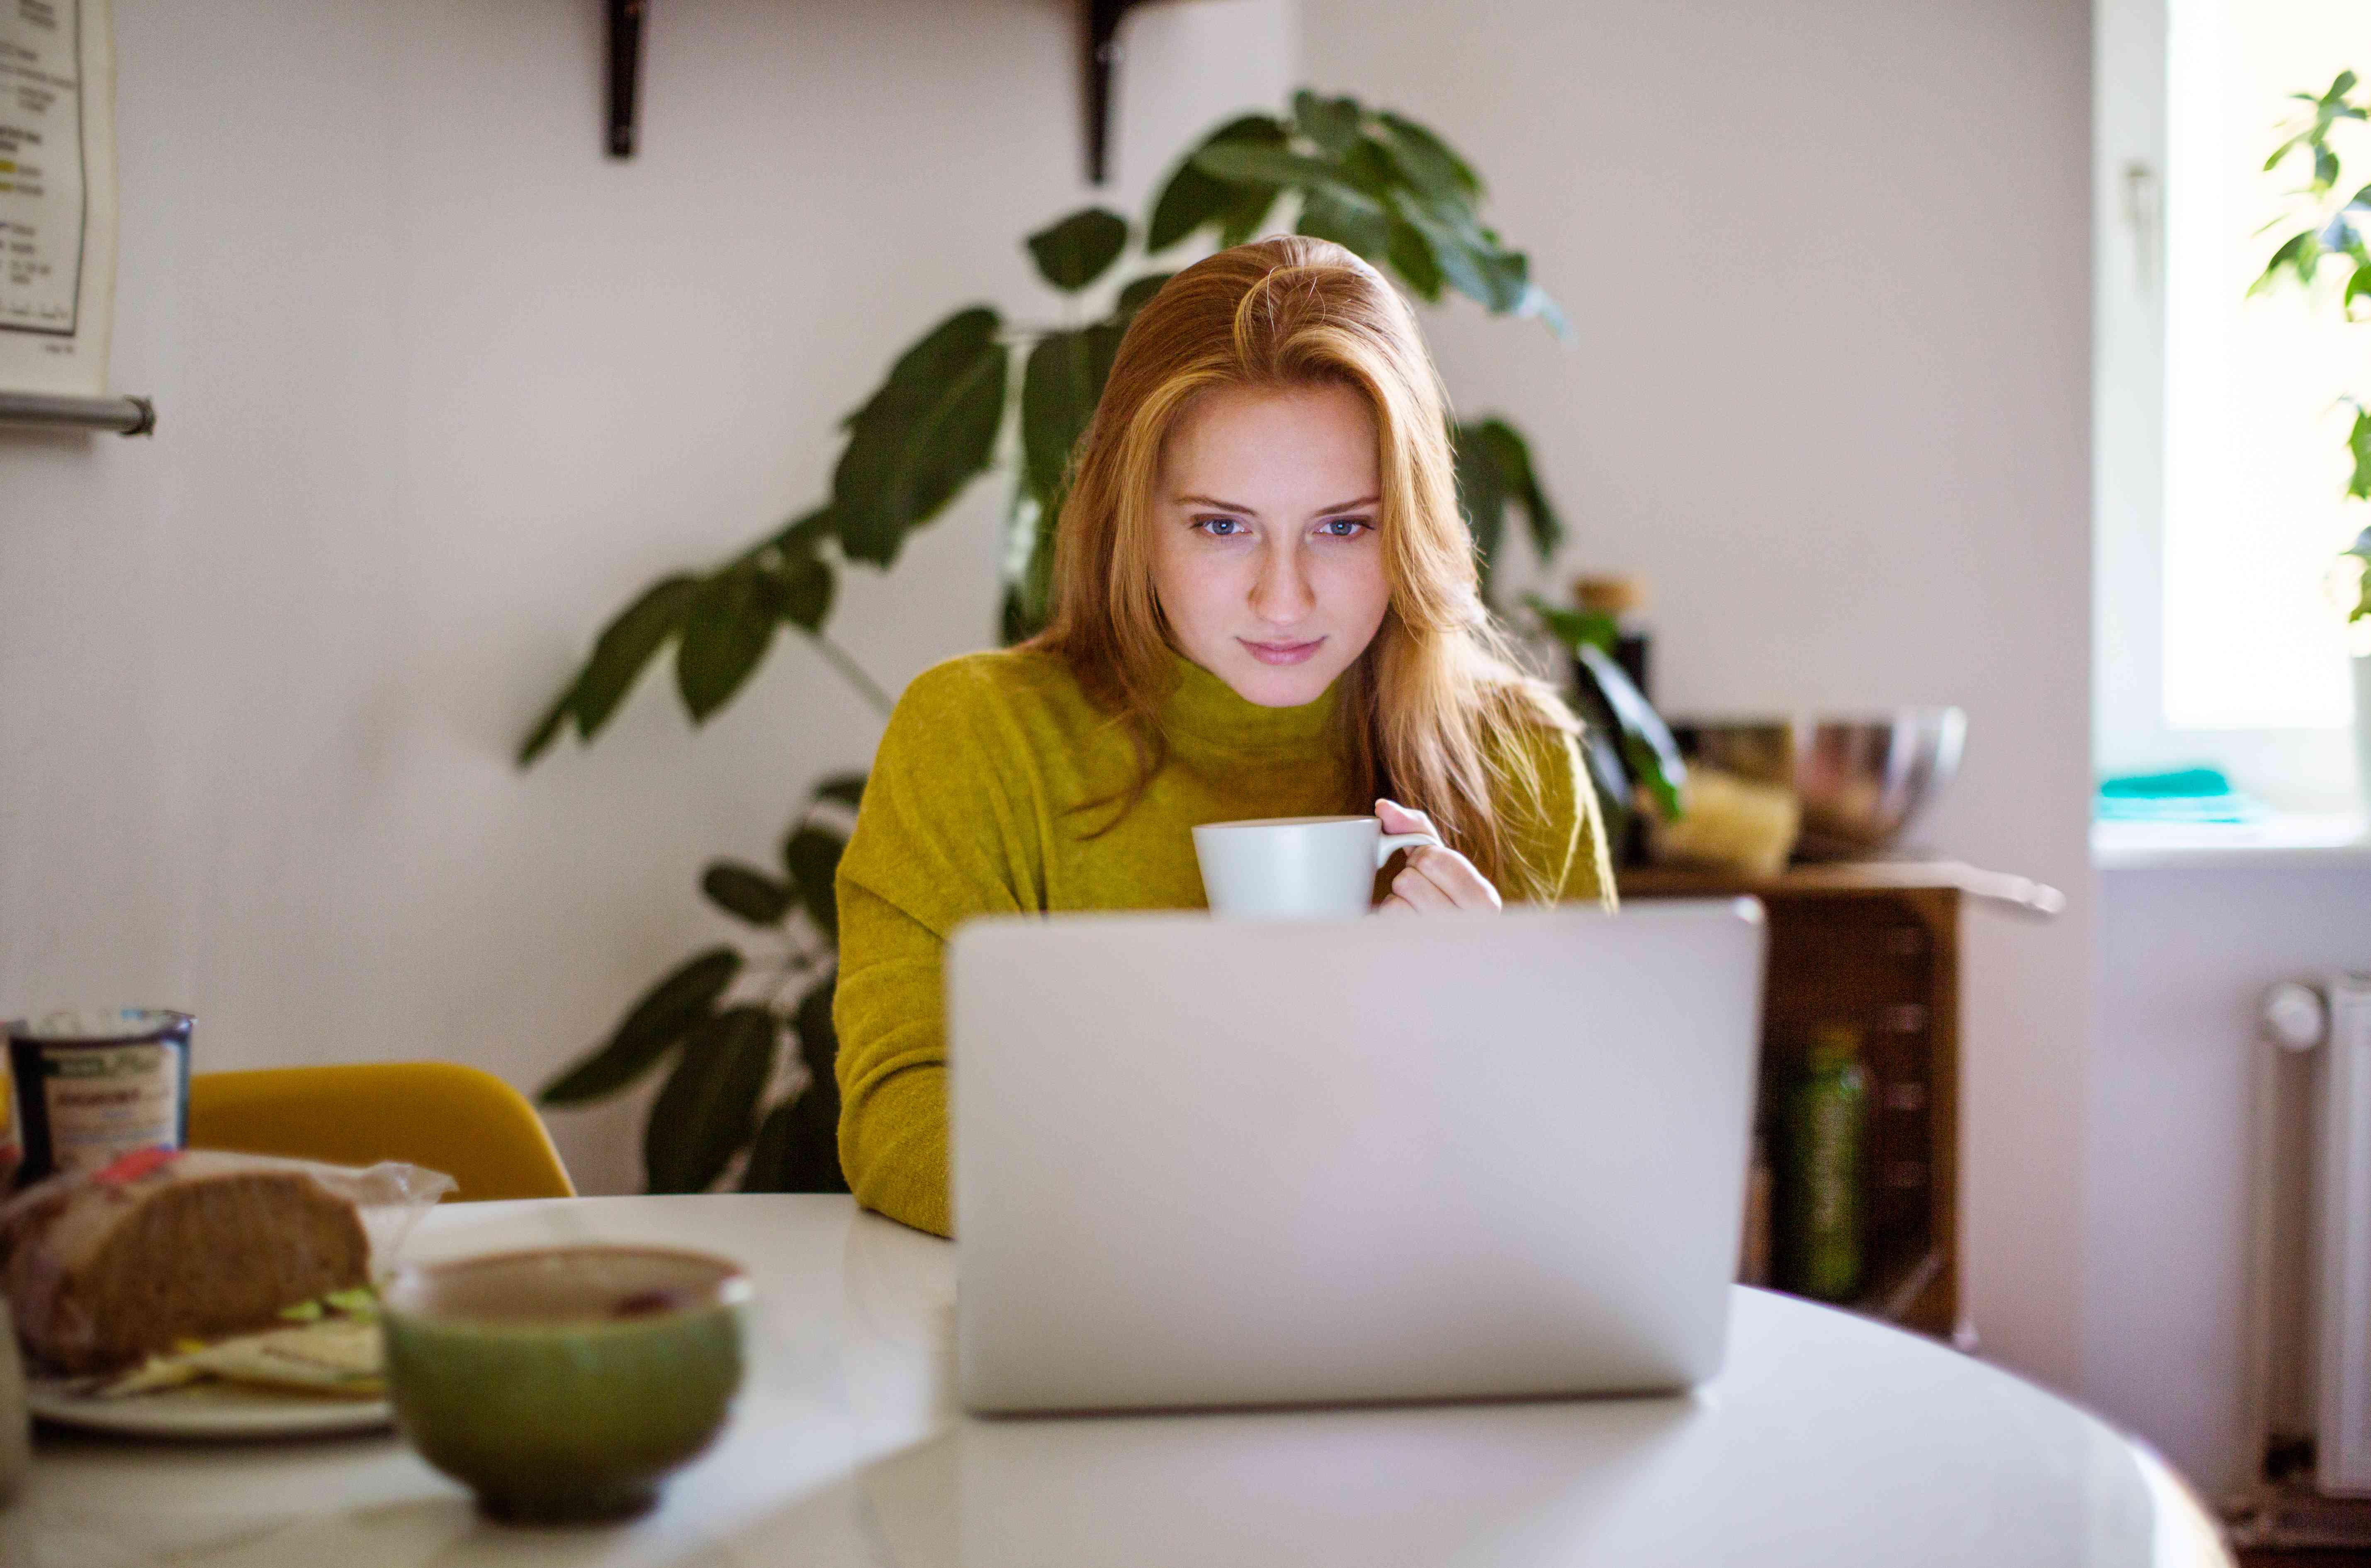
[[1265, 604]]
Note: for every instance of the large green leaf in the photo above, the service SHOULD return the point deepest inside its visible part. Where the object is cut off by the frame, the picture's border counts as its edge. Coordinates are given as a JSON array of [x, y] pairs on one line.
[[627, 644], [1059, 386], [1074, 252], [708, 1109], [1368, 164], [1247, 213], [727, 631], [1192, 197], [2287, 257], [1535, 301], [843, 788], [766, 1151], [1482, 496], [1600, 750], [1647, 743], [624, 647], [2358, 446], [797, 1146], [1245, 163], [665, 1014], [547, 728], [1457, 255], [1518, 480], [818, 1041], [1474, 262], [1029, 530], [1429, 164], [924, 435], [1575, 629], [798, 589], [1411, 257], [810, 854], [1136, 297], [1508, 274], [1348, 219], [1332, 123], [747, 892]]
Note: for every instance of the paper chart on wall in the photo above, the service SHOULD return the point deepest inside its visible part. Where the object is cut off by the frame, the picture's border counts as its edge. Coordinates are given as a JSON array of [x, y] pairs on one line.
[[57, 195]]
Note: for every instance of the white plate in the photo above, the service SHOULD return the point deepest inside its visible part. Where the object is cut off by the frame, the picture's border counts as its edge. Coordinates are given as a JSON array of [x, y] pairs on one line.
[[205, 1409]]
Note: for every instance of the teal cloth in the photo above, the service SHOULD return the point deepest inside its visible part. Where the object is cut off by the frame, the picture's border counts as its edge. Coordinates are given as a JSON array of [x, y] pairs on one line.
[[2185, 794]]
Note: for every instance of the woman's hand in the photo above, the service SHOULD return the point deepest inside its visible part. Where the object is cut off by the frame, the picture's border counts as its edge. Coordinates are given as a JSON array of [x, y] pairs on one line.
[[1432, 881]]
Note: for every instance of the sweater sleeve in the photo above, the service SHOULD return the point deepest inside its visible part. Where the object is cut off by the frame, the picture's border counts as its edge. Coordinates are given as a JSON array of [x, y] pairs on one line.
[[1567, 841], [944, 834]]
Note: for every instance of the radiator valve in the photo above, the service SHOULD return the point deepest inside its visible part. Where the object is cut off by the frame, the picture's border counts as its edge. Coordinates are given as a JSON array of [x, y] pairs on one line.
[[2295, 1016]]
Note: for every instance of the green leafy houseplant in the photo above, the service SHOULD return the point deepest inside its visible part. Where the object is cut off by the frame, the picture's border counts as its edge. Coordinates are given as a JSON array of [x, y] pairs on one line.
[[2330, 242], [974, 392]]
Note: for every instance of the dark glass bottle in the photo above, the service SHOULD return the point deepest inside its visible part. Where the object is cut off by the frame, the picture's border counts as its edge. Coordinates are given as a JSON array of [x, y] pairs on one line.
[[1827, 1117]]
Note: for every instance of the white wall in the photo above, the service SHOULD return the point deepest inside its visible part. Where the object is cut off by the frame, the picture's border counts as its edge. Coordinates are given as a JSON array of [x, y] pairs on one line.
[[2183, 958], [1828, 268], [440, 386]]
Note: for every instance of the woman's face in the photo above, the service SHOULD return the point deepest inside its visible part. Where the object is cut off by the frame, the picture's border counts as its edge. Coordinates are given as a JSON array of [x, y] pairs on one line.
[[1266, 555]]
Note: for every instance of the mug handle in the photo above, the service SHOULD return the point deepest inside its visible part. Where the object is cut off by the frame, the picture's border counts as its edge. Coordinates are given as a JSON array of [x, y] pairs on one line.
[[1391, 842]]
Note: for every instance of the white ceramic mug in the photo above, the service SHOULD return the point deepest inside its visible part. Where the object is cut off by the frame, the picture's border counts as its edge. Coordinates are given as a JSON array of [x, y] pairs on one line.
[[1295, 867]]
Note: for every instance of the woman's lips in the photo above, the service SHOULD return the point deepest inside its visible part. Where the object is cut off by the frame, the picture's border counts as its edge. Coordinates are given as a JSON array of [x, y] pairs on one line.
[[1281, 653]]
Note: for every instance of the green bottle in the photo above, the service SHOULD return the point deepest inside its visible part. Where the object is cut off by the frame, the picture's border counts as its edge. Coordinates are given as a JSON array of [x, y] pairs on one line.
[[1826, 1116]]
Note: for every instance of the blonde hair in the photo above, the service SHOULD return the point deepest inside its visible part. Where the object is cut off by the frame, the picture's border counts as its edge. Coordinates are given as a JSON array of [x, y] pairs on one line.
[[1418, 711]]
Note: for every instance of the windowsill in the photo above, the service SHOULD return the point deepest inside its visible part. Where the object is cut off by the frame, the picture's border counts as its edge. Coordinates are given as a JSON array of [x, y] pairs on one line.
[[2281, 842]]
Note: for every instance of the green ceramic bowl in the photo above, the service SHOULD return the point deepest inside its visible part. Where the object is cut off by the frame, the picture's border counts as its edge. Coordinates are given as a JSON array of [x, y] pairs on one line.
[[564, 1384]]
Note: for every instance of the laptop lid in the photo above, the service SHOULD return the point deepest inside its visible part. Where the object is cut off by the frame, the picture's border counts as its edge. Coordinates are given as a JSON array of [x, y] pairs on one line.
[[1201, 1162]]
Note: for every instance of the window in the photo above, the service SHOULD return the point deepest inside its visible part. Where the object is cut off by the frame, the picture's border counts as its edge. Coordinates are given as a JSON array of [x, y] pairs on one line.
[[2221, 458]]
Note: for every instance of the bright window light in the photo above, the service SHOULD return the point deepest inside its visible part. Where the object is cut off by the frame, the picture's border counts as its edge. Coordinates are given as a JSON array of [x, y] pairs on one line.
[[2256, 463]]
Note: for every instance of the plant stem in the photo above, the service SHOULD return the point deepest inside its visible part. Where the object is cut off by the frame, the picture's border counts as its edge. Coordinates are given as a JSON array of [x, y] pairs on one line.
[[866, 686]]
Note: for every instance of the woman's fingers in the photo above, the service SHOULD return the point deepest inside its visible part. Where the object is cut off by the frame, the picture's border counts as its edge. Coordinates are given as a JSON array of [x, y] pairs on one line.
[[1418, 895], [1397, 818], [1439, 880], [1432, 881]]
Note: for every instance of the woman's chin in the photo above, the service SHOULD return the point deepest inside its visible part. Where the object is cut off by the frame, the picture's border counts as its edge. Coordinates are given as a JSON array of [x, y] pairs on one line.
[[1273, 685]]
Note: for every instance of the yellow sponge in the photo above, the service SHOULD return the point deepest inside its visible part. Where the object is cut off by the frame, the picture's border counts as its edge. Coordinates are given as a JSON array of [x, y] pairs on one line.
[[1730, 822]]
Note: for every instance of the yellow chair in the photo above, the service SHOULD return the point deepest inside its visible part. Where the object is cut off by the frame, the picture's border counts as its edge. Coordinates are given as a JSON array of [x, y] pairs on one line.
[[467, 1124]]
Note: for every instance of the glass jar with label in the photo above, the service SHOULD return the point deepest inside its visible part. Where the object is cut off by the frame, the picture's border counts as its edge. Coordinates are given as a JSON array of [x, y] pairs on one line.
[[92, 1087]]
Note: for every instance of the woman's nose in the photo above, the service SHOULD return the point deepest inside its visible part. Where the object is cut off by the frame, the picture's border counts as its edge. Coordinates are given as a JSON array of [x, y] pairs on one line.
[[1280, 594]]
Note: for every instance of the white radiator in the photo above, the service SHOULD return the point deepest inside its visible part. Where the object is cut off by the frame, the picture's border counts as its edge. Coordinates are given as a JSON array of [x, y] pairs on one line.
[[2310, 1286], [2341, 1243]]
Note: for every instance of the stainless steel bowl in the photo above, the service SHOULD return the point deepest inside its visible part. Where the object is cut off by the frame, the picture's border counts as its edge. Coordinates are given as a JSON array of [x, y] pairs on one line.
[[1862, 781]]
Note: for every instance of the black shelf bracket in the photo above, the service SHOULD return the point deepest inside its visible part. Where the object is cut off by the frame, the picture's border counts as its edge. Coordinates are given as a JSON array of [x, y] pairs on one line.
[[1102, 29], [626, 18]]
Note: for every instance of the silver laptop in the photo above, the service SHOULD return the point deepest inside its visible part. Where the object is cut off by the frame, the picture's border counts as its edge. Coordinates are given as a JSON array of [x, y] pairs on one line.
[[1199, 1162]]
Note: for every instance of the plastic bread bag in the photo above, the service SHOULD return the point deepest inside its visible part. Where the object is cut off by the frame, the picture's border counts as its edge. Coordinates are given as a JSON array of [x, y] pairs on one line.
[[104, 1268]]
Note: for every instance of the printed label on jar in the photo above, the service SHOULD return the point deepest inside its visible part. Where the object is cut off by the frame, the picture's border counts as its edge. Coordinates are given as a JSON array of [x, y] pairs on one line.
[[106, 1102]]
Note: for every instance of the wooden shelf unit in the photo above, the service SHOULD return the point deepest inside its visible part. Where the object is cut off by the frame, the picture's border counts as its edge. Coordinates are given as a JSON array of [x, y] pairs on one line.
[[1873, 944]]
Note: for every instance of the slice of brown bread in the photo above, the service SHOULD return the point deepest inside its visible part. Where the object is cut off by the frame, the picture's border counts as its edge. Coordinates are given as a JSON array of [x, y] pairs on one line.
[[108, 1273]]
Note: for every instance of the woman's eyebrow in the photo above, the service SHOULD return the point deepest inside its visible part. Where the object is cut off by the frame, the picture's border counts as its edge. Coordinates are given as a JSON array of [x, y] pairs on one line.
[[1254, 512]]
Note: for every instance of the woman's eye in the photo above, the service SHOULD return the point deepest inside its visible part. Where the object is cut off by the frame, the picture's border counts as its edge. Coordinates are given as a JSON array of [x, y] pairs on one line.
[[1220, 527], [1343, 527]]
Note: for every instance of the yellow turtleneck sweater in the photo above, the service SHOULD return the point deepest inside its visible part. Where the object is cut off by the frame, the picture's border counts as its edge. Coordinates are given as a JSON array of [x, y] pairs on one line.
[[964, 813]]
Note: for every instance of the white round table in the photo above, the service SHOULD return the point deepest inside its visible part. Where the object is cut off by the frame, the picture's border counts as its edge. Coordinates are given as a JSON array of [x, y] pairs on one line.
[[1827, 1441]]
